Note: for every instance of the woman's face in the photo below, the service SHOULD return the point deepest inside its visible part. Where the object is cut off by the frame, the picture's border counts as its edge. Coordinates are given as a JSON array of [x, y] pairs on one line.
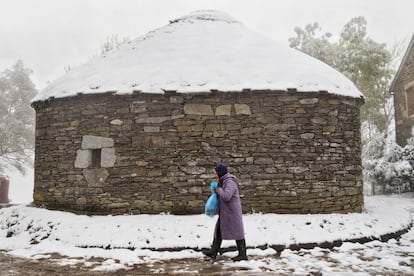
[[215, 173]]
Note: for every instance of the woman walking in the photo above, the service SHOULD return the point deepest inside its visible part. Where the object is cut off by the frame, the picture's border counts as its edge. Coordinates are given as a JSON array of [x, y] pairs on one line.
[[229, 225]]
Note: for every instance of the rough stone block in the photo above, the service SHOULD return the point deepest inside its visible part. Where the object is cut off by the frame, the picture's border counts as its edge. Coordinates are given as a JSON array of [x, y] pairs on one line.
[[242, 109], [117, 122], [158, 141], [278, 127], [318, 120], [287, 98], [197, 127], [142, 163], [152, 120], [300, 110], [223, 110], [116, 205], [154, 173], [196, 190], [140, 204], [81, 201], [307, 135], [331, 129], [264, 161], [198, 109], [141, 141], [298, 169], [193, 170], [38, 196], [95, 177], [309, 101], [83, 159], [96, 142], [195, 203], [251, 130], [176, 99], [149, 129], [138, 107], [108, 157]]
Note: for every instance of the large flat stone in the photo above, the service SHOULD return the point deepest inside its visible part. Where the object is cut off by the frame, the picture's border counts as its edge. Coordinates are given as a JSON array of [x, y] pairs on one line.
[[83, 159], [96, 142], [108, 157], [223, 110], [198, 109], [242, 109]]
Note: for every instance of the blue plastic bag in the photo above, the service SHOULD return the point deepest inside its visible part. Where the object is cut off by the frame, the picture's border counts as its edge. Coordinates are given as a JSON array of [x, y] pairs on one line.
[[212, 204], [213, 185], [211, 208]]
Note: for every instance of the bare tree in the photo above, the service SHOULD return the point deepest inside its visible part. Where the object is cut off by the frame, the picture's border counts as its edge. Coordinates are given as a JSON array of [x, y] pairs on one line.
[[17, 118]]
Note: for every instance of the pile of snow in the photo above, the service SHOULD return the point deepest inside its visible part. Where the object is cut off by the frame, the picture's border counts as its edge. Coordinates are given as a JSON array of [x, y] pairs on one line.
[[203, 51], [130, 239]]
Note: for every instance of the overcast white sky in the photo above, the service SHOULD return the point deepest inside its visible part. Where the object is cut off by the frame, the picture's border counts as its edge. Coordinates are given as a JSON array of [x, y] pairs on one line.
[[51, 34]]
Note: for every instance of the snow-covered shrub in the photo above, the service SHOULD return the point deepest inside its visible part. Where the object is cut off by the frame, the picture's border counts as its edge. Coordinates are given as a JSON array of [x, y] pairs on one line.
[[387, 168]]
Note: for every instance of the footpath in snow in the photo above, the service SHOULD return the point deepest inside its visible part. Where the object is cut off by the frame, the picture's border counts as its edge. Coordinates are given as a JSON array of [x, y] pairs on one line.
[[132, 239]]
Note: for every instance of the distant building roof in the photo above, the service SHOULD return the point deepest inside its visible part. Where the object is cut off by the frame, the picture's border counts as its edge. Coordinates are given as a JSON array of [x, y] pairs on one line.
[[410, 46], [200, 52]]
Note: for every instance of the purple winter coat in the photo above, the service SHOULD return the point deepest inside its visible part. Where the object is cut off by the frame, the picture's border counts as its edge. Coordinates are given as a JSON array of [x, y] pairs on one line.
[[230, 210]]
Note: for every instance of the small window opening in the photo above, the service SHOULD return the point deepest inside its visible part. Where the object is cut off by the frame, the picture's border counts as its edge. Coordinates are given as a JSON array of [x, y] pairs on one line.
[[96, 158], [410, 101]]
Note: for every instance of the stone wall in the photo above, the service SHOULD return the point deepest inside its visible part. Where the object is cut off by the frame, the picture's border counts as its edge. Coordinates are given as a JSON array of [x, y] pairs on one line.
[[405, 79], [150, 153]]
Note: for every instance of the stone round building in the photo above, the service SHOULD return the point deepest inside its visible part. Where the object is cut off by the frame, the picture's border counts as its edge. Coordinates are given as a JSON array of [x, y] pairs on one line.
[[140, 129]]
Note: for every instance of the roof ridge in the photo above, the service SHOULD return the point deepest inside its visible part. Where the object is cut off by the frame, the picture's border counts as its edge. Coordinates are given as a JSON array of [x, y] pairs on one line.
[[207, 15]]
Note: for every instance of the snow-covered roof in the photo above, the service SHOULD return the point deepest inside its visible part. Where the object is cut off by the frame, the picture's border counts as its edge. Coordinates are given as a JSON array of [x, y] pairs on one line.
[[403, 61], [200, 52]]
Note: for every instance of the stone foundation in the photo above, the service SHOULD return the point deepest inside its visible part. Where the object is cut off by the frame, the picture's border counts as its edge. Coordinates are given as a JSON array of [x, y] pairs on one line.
[[150, 153]]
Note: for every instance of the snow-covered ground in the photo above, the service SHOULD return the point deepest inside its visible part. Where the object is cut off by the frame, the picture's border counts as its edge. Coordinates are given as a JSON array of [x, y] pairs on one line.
[[21, 186], [127, 240], [372, 258]]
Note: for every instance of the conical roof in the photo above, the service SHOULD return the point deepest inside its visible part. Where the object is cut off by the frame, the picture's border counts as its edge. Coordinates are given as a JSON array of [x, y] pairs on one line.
[[200, 52]]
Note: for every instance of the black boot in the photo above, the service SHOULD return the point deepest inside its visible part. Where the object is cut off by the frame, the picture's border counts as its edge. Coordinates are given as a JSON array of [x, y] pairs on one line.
[[212, 253], [241, 247]]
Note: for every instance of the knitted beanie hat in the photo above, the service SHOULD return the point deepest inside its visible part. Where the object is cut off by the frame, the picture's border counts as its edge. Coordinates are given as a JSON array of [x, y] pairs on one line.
[[221, 170]]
